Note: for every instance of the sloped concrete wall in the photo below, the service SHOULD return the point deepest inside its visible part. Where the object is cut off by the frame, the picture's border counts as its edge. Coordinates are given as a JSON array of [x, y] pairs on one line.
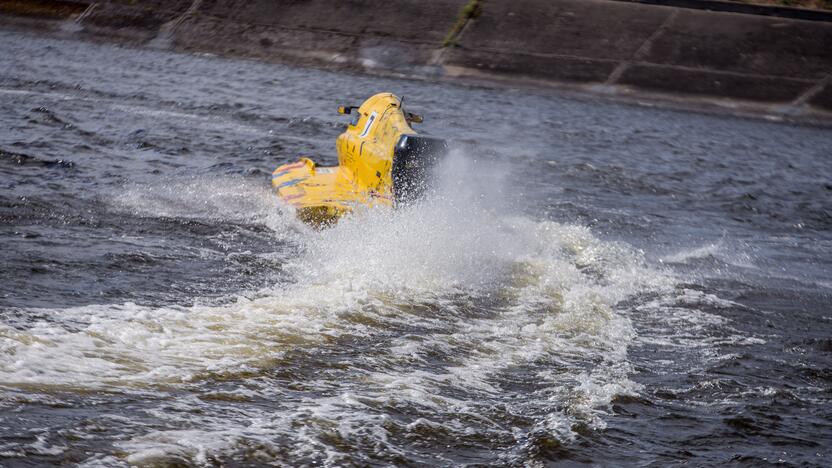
[[571, 40], [384, 34], [626, 46], [652, 47], [725, 54]]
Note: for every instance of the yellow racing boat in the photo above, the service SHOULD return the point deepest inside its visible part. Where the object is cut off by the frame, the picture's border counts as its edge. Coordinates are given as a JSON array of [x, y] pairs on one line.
[[382, 161]]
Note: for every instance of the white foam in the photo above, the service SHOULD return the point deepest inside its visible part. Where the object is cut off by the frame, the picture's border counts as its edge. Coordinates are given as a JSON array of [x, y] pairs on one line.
[[490, 290], [230, 199], [734, 254], [707, 250], [676, 321]]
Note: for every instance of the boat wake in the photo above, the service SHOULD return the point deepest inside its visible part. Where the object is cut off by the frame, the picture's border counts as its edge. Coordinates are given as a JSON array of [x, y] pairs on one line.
[[394, 329]]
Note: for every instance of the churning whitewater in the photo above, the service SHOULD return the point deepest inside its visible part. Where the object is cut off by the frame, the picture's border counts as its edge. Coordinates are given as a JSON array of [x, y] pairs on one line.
[[443, 303], [586, 282]]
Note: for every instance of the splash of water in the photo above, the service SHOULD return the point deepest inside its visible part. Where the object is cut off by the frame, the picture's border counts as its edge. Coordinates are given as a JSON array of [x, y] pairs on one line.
[[445, 298]]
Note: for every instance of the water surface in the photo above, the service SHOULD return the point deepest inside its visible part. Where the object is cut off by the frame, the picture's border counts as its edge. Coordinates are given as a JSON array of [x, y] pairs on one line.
[[590, 282]]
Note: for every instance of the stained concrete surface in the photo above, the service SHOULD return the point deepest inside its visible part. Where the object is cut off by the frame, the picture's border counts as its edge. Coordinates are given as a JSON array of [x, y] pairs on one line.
[[771, 63]]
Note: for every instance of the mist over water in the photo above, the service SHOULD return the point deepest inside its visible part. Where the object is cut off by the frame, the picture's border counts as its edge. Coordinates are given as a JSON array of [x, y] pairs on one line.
[[570, 290]]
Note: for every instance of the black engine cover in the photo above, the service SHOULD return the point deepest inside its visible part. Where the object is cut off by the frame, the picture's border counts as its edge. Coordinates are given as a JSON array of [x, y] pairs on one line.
[[413, 158]]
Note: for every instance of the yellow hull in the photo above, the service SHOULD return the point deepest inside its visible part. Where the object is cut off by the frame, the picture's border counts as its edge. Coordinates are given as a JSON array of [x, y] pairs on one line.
[[382, 161], [321, 195]]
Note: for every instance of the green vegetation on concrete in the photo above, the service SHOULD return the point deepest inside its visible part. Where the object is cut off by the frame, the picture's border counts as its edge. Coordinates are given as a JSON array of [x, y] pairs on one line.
[[471, 10]]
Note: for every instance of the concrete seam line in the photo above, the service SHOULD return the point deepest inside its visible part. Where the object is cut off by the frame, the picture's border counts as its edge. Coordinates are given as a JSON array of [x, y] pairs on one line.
[[86, 13], [692, 102], [733, 7], [118, 6], [813, 91], [725, 72], [641, 52], [651, 64], [538, 54], [187, 14]]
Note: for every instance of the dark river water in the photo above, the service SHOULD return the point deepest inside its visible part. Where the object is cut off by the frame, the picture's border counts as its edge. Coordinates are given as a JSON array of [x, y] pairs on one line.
[[589, 283]]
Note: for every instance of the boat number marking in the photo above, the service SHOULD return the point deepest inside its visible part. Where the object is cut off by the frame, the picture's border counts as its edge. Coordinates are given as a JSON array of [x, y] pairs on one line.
[[368, 125]]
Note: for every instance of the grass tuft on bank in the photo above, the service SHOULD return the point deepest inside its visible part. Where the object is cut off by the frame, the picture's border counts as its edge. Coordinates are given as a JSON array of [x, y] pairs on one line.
[[471, 10]]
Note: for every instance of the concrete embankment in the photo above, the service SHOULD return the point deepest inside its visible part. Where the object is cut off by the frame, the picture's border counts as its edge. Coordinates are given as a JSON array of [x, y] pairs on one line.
[[777, 61]]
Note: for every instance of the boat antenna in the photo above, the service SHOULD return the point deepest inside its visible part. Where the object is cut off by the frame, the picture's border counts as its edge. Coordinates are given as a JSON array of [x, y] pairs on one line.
[[401, 102]]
